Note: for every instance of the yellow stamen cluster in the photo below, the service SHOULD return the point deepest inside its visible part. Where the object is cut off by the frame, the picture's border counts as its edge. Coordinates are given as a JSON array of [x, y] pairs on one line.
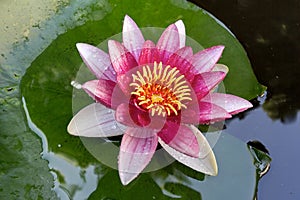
[[161, 90]]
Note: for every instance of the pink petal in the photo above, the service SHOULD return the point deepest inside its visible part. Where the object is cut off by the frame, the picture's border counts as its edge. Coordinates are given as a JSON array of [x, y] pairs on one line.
[[232, 104], [95, 120], [138, 132], [149, 53], [133, 38], [205, 162], [100, 90], [181, 60], [97, 61], [124, 81], [122, 60], [130, 115], [181, 138], [123, 115], [203, 83], [168, 43], [141, 117], [204, 112], [191, 115], [211, 113], [181, 30], [135, 154], [205, 60]]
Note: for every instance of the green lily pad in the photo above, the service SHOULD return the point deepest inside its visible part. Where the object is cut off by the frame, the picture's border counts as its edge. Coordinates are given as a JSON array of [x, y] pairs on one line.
[[47, 97]]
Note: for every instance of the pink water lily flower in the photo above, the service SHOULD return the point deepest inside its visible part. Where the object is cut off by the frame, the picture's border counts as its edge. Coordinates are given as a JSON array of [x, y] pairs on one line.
[[158, 92]]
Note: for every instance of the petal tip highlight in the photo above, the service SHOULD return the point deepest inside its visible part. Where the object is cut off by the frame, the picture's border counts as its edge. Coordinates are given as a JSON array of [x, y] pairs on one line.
[[218, 48], [72, 128], [213, 166], [79, 45], [128, 22], [126, 178], [81, 48], [84, 48]]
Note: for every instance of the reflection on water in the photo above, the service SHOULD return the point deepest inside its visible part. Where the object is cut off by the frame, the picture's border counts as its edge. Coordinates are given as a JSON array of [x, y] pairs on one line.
[[269, 31], [71, 181], [281, 106]]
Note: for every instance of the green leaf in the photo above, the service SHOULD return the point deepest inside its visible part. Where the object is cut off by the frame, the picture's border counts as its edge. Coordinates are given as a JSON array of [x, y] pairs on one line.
[[23, 174], [261, 160]]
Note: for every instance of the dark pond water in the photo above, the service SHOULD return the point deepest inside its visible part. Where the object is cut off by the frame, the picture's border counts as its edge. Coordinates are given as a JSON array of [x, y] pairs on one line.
[[270, 33]]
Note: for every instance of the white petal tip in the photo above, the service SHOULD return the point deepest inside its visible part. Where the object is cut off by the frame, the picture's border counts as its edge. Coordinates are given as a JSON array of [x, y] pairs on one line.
[[127, 178], [210, 163], [216, 50], [220, 47], [181, 30], [248, 105], [72, 129], [221, 68], [76, 85], [81, 47], [179, 22], [214, 169], [180, 25], [113, 45], [127, 18]]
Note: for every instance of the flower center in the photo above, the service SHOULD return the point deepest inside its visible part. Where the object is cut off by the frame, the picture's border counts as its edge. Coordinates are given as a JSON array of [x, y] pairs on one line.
[[161, 90]]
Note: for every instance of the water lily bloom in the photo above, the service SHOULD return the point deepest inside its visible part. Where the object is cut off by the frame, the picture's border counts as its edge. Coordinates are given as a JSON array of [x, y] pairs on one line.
[[154, 93]]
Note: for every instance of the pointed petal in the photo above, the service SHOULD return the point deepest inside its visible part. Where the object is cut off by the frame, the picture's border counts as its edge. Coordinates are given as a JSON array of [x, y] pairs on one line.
[[122, 60], [149, 53], [204, 112], [232, 104], [100, 90], [203, 83], [95, 120], [133, 38], [206, 161], [135, 154], [205, 60], [181, 60], [220, 68], [211, 113], [168, 43], [97, 61], [181, 138], [181, 30]]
